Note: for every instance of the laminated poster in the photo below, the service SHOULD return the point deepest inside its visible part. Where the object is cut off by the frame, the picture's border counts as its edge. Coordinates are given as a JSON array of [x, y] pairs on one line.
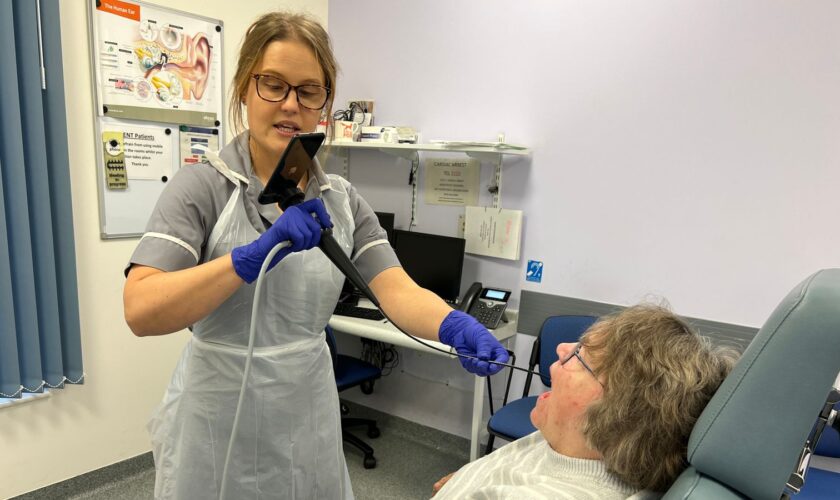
[[154, 64]]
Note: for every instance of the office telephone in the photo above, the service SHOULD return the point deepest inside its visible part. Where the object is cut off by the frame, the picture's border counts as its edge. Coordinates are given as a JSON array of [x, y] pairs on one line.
[[487, 305]]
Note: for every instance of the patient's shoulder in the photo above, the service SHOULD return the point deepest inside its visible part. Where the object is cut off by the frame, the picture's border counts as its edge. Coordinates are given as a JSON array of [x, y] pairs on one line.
[[645, 495], [530, 441]]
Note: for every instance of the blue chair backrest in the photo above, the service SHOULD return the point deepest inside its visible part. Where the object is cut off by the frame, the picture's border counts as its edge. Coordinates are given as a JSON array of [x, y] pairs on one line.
[[331, 344], [557, 330], [829, 443]]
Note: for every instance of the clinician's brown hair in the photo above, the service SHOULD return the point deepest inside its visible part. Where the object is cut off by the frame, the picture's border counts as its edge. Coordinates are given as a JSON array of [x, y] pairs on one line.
[[279, 26], [658, 376]]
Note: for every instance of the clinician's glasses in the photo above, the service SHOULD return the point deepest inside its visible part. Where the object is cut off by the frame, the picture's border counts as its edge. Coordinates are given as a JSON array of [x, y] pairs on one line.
[[272, 89], [576, 354]]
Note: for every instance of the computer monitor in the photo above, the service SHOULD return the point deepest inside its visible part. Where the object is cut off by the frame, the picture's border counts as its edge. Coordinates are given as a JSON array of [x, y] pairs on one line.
[[349, 293], [386, 220], [433, 261]]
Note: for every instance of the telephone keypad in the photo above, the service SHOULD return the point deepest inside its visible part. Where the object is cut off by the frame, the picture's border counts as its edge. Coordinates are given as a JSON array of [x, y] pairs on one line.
[[488, 315]]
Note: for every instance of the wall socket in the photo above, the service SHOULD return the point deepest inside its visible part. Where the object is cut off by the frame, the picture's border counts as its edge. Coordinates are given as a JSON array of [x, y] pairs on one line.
[[461, 225]]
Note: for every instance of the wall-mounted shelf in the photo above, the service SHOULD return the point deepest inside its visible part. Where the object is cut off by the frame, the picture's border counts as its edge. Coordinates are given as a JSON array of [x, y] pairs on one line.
[[407, 151], [490, 153]]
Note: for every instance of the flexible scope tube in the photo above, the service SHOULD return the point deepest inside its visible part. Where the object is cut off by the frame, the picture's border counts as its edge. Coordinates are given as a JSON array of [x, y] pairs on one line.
[[343, 264]]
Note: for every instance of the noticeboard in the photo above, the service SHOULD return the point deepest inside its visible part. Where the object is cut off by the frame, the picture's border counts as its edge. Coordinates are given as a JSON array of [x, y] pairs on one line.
[[159, 100]]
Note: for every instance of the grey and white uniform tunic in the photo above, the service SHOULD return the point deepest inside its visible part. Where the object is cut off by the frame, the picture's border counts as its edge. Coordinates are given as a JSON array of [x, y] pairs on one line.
[[288, 439], [179, 227]]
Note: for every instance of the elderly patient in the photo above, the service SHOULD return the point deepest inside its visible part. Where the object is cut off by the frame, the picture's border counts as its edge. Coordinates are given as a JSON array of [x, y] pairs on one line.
[[616, 421]]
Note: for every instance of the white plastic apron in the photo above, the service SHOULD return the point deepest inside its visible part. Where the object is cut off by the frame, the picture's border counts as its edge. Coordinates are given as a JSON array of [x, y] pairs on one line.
[[288, 443]]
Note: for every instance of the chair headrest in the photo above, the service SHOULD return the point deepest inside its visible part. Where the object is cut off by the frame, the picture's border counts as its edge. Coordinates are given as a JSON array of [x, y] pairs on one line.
[[751, 433], [557, 330]]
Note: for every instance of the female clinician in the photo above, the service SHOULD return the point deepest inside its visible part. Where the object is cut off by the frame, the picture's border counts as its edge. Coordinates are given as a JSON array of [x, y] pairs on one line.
[[196, 266]]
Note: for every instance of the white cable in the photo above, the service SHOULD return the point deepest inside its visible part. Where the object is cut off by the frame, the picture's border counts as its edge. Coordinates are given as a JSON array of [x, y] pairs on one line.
[[248, 356]]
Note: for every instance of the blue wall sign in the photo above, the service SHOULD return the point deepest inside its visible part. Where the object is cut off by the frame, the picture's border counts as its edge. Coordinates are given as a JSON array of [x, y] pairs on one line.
[[534, 272]]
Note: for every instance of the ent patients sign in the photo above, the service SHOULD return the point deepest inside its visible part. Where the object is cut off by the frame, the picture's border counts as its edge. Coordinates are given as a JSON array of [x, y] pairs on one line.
[[124, 9]]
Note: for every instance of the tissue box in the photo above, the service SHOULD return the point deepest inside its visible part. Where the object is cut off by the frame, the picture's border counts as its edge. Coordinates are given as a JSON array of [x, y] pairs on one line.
[[379, 134], [371, 134]]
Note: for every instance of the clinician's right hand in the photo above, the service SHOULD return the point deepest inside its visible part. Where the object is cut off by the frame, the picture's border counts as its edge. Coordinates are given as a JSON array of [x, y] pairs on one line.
[[296, 225]]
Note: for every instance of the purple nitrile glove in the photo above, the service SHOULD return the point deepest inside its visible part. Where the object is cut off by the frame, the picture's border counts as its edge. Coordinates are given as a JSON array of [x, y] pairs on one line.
[[468, 336], [296, 225]]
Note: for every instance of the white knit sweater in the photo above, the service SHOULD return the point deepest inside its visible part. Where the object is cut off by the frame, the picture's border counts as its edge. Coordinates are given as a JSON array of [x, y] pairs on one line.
[[529, 469]]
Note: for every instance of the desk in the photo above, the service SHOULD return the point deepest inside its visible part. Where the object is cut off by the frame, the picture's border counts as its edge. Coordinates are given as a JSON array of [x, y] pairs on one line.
[[384, 331]]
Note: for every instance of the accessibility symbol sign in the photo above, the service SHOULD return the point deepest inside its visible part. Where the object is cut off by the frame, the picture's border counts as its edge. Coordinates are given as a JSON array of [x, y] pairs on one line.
[[534, 272]]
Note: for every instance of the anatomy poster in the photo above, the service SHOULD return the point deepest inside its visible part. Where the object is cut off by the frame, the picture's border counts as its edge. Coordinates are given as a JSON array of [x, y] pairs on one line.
[[156, 64]]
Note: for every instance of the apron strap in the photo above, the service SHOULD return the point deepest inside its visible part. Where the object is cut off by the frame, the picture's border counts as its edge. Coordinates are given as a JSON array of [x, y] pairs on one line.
[[221, 166], [237, 180]]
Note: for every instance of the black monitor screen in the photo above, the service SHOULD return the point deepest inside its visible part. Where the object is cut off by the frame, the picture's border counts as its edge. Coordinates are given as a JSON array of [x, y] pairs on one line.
[[386, 220], [349, 293], [435, 262]]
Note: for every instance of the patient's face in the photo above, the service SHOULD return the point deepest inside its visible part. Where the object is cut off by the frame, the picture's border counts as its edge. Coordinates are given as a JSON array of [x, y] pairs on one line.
[[560, 411]]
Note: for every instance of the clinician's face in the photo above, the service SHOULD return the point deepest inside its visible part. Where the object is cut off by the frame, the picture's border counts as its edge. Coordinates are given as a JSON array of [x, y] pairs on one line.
[[560, 411], [272, 124]]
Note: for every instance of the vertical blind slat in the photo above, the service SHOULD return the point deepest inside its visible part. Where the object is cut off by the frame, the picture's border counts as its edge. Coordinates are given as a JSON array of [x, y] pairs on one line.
[[9, 367], [58, 164], [40, 218]]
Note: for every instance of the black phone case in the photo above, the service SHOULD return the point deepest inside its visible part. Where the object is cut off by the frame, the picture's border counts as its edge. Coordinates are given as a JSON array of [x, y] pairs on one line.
[[294, 162]]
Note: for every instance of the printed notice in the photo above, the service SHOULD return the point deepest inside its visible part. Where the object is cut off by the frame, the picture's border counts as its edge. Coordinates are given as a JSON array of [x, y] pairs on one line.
[[451, 181], [494, 232], [195, 142], [146, 151], [113, 144]]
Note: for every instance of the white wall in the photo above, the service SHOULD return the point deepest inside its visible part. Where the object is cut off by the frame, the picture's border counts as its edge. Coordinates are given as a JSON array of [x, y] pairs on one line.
[[683, 148], [680, 149], [82, 428]]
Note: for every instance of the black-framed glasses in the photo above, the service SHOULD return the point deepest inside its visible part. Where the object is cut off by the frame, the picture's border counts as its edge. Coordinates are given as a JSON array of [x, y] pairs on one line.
[[273, 89], [576, 354]]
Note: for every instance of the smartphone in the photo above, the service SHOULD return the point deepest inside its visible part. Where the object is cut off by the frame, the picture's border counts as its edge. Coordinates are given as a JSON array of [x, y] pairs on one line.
[[295, 161]]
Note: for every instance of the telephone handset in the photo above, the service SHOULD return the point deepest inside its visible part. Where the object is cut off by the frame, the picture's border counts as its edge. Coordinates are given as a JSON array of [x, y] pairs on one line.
[[487, 305]]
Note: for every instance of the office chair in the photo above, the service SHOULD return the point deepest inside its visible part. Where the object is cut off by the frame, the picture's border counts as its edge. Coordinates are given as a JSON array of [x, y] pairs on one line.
[[352, 372], [822, 483], [513, 420], [755, 436]]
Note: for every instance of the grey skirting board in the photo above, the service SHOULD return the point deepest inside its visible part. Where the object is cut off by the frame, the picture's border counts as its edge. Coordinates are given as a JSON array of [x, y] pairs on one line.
[[535, 307]]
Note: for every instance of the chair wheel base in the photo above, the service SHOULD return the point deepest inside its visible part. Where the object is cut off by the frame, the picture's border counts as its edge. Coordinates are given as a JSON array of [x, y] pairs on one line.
[[370, 462], [373, 432]]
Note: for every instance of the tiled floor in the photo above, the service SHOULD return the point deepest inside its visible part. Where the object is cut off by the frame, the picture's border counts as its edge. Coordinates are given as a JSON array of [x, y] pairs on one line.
[[410, 458]]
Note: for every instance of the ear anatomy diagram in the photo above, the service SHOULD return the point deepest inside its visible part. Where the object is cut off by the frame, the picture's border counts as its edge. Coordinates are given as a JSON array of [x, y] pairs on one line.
[[158, 64], [175, 75]]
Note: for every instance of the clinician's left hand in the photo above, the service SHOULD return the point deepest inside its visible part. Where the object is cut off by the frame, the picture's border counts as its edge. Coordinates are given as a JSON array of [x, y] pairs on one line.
[[468, 336]]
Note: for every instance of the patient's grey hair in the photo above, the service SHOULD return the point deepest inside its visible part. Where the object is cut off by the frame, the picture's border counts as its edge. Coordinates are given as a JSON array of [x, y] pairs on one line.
[[658, 375]]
